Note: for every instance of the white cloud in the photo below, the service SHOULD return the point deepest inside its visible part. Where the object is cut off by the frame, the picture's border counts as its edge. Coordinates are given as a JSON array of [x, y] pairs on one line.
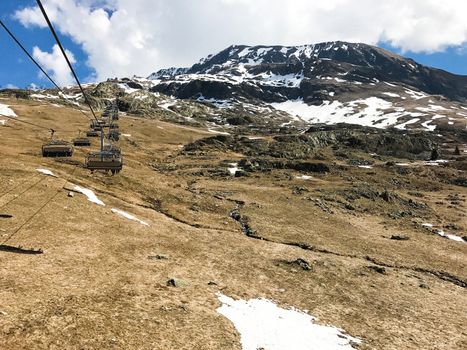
[[55, 63], [10, 86], [126, 37]]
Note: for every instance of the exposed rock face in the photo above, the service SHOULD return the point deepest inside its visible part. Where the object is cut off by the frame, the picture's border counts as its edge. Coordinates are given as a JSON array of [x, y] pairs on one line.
[[167, 73], [389, 142]]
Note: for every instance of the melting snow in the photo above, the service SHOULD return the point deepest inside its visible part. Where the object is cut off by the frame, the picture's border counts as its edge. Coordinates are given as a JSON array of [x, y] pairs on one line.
[[46, 172], [264, 325], [90, 194], [390, 94], [166, 105], [41, 96], [365, 166], [6, 111], [304, 177], [428, 125], [448, 236], [404, 125], [443, 234], [431, 108], [222, 104], [416, 95], [218, 132], [233, 168], [336, 112], [436, 162], [129, 216], [126, 88]]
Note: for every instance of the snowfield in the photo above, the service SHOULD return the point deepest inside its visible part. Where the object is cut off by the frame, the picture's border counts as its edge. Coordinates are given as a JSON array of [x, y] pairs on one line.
[[6, 111], [264, 325], [129, 216], [373, 112], [233, 168], [46, 172], [90, 194], [335, 112]]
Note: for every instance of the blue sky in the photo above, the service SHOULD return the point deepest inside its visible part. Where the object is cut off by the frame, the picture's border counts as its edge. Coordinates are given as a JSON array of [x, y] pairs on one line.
[[453, 59], [15, 67], [178, 38]]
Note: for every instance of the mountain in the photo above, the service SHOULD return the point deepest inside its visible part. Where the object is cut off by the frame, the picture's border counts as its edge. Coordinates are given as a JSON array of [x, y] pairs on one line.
[[302, 69], [280, 89], [168, 73], [358, 82]]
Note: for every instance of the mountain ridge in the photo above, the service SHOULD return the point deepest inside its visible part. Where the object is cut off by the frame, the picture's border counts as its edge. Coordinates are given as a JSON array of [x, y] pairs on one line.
[[349, 61]]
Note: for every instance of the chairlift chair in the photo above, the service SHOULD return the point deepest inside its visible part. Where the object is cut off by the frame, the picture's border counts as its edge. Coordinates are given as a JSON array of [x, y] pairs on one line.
[[114, 135], [57, 148], [112, 148], [92, 133], [81, 141], [98, 124], [105, 160]]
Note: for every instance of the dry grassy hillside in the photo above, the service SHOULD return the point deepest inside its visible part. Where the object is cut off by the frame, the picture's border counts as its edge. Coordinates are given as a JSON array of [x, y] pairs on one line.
[[368, 263]]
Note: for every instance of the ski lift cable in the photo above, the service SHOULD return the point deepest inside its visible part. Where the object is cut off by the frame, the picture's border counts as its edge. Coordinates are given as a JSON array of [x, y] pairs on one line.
[[44, 13], [38, 210], [21, 193], [12, 189], [37, 64], [25, 122], [33, 215]]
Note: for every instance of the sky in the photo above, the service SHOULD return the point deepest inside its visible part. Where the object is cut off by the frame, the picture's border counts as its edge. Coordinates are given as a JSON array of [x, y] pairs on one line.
[[122, 38]]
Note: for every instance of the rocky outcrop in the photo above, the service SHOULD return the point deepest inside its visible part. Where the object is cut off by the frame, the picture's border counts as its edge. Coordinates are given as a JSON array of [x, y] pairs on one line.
[[391, 142]]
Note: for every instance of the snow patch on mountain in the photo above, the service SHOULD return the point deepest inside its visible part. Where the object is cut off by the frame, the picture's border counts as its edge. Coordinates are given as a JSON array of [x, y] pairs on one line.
[[337, 112], [128, 216], [264, 325], [6, 111], [167, 73]]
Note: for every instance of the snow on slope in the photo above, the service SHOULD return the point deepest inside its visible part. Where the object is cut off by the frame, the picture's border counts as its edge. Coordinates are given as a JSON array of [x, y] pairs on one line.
[[264, 325], [337, 112], [129, 216], [46, 172], [372, 111], [90, 194], [7, 111]]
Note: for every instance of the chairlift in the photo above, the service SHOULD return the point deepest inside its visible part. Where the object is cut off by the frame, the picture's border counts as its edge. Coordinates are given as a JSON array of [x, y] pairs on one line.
[[57, 148], [98, 124], [114, 135], [92, 133], [112, 148], [110, 160], [81, 141]]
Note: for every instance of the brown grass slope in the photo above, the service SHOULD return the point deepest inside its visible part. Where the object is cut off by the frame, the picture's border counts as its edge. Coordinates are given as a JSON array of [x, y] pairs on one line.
[[98, 284]]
